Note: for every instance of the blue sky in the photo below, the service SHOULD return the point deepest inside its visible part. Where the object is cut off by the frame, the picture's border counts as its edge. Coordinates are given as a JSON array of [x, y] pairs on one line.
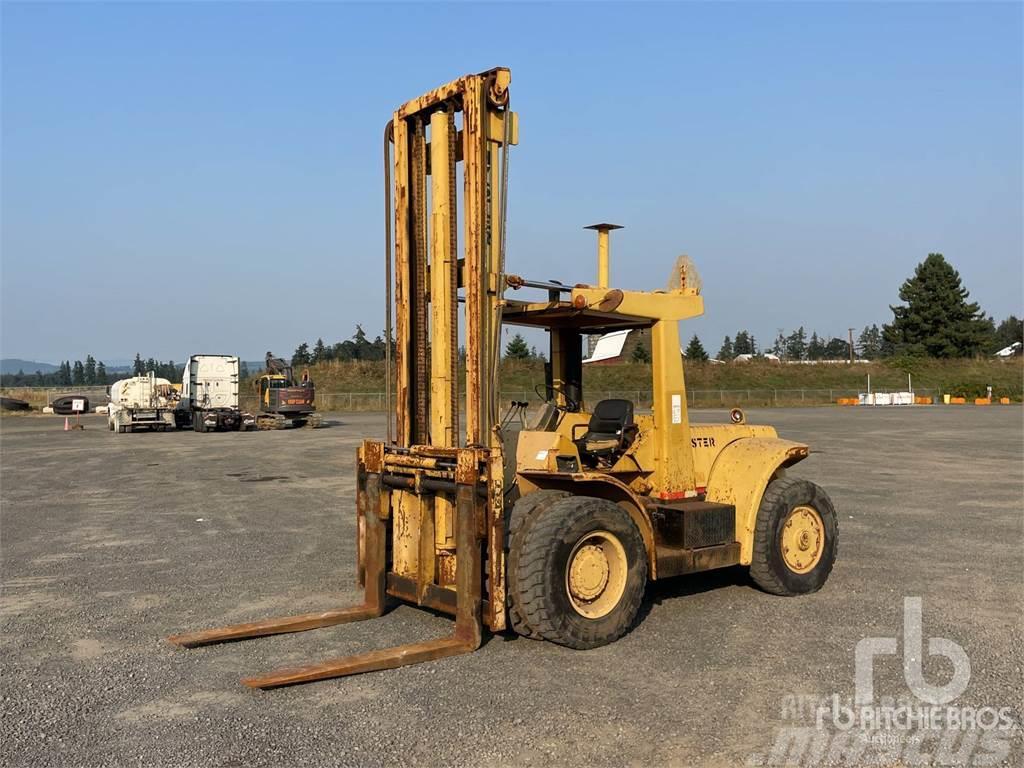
[[195, 177]]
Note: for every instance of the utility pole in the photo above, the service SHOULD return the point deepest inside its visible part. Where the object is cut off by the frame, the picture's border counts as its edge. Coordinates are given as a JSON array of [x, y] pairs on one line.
[[851, 345]]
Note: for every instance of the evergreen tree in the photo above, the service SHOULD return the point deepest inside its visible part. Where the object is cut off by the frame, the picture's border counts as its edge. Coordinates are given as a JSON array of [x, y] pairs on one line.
[[726, 351], [101, 373], [78, 374], [796, 344], [937, 320], [1009, 331], [151, 365], [243, 370], [64, 374], [695, 350], [40, 379], [640, 354], [138, 367], [319, 351], [779, 347], [869, 343], [90, 370], [363, 349], [301, 356], [340, 351], [815, 347], [836, 349], [744, 344], [517, 349]]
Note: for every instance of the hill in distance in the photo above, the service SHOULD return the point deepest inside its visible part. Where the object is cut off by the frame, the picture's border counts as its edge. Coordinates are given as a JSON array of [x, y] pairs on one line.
[[14, 364]]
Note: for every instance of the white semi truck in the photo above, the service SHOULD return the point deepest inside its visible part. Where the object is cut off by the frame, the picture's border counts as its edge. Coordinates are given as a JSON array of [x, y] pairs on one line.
[[209, 395], [142, 402]]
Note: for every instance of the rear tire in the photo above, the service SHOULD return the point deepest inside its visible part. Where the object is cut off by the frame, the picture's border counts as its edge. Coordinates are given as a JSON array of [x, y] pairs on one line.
[[523, 510], [796, 538], [581, 570]]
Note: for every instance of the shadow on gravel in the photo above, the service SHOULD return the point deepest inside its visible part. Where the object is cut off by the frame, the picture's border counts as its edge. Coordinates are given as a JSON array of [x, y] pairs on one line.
[[690, 584]]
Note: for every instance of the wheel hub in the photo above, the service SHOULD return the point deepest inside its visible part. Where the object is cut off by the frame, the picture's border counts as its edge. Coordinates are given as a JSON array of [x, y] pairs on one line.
[[803, 539], [595, 574], [588, 573]]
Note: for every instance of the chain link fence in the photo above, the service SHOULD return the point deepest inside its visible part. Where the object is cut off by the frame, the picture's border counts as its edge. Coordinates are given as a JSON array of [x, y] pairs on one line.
[[376, 401], [642, 399]]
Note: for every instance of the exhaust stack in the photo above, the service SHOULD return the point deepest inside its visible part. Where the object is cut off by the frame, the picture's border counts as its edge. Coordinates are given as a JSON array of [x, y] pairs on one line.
[[602, 251]]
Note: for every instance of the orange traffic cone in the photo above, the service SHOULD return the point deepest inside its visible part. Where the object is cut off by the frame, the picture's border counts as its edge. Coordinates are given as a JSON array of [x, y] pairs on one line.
[[67, 426]]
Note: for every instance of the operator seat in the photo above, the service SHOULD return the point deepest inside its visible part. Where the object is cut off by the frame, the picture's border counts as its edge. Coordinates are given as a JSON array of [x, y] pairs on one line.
[[610, 432]]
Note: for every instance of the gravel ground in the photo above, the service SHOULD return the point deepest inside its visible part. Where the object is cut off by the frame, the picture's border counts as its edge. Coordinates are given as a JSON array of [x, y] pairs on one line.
[[112, 542]]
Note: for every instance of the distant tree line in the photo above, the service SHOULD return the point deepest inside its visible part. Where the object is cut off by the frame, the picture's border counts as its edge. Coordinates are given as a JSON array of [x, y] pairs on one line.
[[936, 319], [797, 346], [743, 343], [358, 347], [168, 370], [90, 373]]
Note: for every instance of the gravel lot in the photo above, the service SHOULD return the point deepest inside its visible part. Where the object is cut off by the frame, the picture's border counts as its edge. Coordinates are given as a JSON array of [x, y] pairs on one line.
[[112, 542]]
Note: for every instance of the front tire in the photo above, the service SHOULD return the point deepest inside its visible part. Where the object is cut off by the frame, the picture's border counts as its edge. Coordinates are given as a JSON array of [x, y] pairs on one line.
[[581, 570], [521, 512], [796, 538]]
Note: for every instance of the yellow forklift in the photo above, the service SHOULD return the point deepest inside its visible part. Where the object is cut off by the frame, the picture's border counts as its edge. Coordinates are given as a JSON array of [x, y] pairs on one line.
[[553, 531]]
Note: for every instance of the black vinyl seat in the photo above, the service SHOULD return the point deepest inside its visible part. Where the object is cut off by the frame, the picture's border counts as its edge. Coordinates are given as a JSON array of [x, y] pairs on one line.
[[610, 432]]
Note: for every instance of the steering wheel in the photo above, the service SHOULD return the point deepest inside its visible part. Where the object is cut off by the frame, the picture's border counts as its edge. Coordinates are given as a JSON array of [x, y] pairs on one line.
[[549, 394]]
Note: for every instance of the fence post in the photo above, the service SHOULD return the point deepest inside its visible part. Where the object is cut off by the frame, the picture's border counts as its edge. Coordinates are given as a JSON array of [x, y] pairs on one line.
[[830, 398], [802, 397], [775, 396]]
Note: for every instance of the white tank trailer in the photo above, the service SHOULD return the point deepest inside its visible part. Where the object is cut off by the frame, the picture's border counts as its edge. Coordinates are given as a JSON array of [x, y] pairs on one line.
[[209, 395], [141, 402]]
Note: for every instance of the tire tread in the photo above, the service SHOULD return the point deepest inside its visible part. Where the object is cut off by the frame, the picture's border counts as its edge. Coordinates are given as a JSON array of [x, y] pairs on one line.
[[534, 563], [773, 500]]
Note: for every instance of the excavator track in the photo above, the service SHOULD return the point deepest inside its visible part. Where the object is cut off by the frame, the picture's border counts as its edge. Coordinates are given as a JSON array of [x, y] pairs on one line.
[[270, 421]]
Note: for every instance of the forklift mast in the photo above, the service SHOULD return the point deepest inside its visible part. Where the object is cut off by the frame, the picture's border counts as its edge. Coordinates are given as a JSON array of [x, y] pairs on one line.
[[465, 122]]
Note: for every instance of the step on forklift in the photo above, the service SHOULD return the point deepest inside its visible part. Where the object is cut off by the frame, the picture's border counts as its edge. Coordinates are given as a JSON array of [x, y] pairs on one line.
[[553, 531]]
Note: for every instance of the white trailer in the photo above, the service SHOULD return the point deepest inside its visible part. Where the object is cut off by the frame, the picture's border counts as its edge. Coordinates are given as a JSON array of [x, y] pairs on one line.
[[209, 394], [141, 402]]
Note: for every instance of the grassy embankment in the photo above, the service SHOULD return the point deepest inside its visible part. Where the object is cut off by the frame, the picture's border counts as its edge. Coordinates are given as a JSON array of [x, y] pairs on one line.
[[356, 385], [342, 386]]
